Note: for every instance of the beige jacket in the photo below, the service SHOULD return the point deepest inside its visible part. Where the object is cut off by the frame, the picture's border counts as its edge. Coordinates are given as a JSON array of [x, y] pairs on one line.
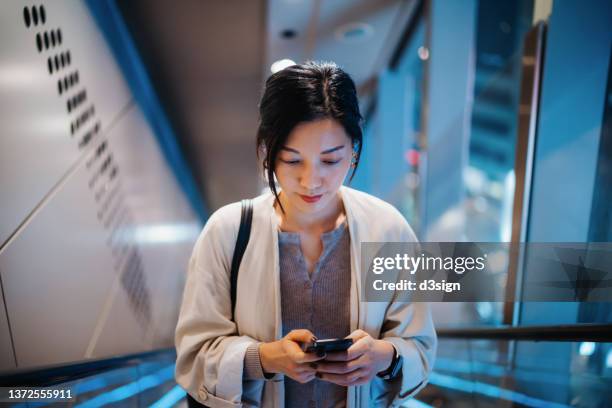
[[211, 347]]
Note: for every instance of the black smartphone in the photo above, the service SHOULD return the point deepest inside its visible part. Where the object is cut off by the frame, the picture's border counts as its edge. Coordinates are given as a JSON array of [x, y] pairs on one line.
[[327, 345]]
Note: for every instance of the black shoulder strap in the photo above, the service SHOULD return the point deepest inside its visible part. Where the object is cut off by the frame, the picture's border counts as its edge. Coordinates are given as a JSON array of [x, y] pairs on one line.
[[244, 233]]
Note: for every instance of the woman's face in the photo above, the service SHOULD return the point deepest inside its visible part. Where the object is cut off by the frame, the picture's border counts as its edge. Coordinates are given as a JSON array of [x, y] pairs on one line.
[[312, 165]]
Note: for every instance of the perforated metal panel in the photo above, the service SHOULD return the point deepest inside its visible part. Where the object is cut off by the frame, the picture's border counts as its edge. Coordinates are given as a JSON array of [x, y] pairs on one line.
[[95, 231], [59, 88]]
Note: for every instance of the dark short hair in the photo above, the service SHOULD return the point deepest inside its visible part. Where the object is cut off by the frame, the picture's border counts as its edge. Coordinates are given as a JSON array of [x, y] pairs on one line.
[[303, 93]]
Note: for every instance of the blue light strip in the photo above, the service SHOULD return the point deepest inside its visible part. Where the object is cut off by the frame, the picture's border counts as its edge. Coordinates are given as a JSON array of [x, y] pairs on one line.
[[100, 381], [107, 379], [172, 397], [91, 385], [78, 388], [477, 387], [131, 389], [495, 371]]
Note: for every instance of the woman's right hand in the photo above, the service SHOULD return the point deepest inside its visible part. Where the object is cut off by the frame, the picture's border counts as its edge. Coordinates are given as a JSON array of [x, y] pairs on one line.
[[285, 356]]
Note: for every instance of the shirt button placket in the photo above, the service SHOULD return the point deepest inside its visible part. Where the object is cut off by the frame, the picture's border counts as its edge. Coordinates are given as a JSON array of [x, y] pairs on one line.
[[308, 307]]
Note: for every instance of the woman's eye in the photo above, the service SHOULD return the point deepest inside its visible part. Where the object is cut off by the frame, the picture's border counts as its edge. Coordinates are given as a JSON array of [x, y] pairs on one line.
[[290, 161], [331, 162]]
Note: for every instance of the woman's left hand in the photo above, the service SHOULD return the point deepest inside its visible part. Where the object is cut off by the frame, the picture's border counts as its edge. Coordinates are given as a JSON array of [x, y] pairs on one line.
[[359, 364]]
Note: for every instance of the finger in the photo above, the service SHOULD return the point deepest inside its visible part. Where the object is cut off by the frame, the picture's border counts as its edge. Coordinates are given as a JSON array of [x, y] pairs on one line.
[[361, 380], [295, 353], [304, 377], [353, 352], [356, 376], [340, 367], [343, 379], [337, 379], [337, 356], [360, 347], [357, 334], [301, 336], [305, 368]]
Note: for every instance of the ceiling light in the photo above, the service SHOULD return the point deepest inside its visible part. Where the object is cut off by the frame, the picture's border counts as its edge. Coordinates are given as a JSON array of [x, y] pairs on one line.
[[288, 33], [281, 64], [353, 32]]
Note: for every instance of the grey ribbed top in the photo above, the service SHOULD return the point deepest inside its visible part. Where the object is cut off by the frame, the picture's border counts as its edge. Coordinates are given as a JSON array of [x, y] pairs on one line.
[[319, 303]]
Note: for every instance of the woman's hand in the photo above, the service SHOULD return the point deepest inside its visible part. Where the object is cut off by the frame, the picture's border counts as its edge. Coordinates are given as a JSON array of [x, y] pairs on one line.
[[286, 356], [359, 364]]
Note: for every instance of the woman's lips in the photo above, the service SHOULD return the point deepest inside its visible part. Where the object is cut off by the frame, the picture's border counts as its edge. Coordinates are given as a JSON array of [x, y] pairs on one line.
[[311, 199]]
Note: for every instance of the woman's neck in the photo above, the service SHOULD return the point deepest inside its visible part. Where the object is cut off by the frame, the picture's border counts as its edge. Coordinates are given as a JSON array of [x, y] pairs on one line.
[[321, 221]]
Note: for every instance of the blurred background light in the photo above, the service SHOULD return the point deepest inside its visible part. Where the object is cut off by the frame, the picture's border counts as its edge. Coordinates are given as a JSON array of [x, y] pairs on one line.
[[587, 348], [166, 233], [281, 64], [352, 32], [423, 53], [485, 310]]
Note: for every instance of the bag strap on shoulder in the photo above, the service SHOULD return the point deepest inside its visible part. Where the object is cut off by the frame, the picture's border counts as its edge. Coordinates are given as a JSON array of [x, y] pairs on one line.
[[244, 233]]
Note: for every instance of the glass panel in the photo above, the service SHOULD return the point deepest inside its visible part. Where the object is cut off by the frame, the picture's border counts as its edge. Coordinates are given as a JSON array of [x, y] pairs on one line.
[[570, 197], [482, 373], [447, 161], [484, 209], [411, 67], [601, 214], [488, 176]]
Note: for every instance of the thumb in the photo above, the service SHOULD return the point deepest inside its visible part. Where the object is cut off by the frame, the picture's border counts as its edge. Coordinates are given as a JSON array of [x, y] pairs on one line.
[[294, 351], [301, 336], [357, 334]]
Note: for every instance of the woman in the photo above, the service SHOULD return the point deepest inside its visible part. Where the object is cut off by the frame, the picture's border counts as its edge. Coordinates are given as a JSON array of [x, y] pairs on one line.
[[299, 277]]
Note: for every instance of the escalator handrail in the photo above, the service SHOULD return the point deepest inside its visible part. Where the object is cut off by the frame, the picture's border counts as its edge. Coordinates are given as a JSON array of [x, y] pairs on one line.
[[49, 376], [576, 332], [53, 375]]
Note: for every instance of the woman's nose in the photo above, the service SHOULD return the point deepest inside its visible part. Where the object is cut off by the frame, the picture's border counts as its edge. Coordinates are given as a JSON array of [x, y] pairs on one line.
[[310, 178]]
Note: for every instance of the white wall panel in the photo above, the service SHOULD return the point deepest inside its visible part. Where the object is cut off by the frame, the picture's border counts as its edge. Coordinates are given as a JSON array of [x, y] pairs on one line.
[[7, 357], [118, 331], [165, 225], [56, 274], [95, 233], [162, 227], [111, 245], [37, 142]]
